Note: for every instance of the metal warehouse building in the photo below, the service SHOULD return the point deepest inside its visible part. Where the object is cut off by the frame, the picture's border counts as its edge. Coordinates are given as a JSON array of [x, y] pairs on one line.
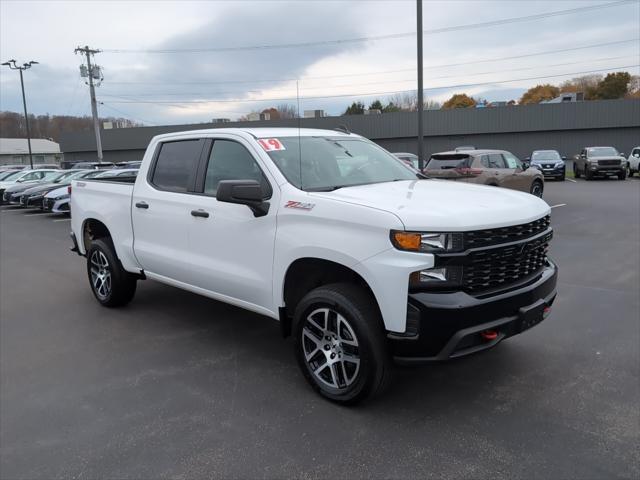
[[566, 127]]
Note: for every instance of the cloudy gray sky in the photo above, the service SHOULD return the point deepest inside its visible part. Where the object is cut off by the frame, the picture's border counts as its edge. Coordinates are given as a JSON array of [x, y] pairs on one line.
[[177, 62]]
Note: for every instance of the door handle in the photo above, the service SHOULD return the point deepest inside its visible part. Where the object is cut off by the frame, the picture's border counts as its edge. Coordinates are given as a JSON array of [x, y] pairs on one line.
[[142, 205], [200, 213]]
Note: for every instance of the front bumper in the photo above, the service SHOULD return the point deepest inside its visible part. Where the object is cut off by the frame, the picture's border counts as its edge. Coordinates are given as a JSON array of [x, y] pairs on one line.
[[607, 169], [451, 325], [552, 172]]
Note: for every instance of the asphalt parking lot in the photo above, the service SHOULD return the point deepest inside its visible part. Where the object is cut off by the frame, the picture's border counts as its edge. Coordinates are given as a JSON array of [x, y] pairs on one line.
[[177, 385]]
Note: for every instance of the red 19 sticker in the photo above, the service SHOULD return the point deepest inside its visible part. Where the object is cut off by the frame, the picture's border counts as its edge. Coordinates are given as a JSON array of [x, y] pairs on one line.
[[270, 144]]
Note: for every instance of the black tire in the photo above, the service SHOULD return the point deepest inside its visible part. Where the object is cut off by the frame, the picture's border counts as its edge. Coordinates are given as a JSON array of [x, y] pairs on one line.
[[112, 285], [349, 309], [622, 175], [537, 188], [562, 178], [587, 174], [576, 171]]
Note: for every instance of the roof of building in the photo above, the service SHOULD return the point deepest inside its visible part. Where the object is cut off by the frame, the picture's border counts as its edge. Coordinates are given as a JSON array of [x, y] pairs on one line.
[[18, 146]]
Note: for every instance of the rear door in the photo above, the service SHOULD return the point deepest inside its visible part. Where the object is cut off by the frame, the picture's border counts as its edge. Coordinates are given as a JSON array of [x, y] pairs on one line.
[[493, 166], [161, 208], [514, 176]]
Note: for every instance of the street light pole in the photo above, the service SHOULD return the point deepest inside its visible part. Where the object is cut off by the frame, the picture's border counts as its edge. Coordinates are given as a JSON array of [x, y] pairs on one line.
[[420, 92], [14, 66]]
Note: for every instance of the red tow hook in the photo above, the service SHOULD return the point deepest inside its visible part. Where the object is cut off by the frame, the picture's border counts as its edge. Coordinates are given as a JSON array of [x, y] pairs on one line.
[[546, 312], [489, 335]]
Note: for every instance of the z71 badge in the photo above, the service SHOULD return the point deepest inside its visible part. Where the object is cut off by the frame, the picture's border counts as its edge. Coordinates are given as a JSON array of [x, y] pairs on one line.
[[299, 205]]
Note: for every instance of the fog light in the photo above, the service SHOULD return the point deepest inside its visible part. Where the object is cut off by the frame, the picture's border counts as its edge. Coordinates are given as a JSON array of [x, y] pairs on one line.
[[437, 274]]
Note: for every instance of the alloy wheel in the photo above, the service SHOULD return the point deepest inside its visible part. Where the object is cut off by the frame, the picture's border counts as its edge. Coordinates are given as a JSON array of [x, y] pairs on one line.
[[100, 274], [331, 348]]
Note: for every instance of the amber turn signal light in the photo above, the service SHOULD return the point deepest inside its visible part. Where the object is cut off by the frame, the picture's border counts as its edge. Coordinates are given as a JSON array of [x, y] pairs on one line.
[[406, 240]]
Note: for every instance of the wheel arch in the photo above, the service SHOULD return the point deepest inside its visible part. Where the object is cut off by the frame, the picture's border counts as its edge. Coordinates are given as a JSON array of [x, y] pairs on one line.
[[306, 273]]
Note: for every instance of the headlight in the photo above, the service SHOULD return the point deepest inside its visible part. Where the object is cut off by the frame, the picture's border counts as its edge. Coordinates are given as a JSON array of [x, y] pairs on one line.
[[559, 165], [426, 242]]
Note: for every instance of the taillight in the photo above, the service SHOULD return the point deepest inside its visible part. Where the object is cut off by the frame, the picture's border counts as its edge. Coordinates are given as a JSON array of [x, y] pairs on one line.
[[69, 189], [469, 171]]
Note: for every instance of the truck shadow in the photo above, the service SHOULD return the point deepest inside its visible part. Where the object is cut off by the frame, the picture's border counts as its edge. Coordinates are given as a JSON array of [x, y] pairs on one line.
[[441, 387]]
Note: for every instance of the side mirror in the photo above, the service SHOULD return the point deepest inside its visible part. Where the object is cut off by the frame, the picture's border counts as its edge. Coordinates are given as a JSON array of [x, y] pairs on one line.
[[528, 159], [525, 165], [243, 192], [622, 154], [563, 157]]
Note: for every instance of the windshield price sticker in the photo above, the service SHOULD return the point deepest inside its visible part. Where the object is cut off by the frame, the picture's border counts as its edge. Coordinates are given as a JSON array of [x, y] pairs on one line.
[[271, 144]]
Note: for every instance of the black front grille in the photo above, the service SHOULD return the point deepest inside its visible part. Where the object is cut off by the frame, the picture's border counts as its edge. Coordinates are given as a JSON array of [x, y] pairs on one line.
[[609, 162], [47, 203], [499, 267], [495, 236]]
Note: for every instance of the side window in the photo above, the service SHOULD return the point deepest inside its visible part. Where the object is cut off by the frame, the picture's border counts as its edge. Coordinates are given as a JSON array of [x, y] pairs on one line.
[[485, 161], [496, 161], [512, 160], [636, 152], [229, 160], [176, 165]]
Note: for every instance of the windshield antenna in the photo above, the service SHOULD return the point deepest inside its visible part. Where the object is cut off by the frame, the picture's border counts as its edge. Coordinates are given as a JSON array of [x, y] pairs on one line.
[[299, 139]]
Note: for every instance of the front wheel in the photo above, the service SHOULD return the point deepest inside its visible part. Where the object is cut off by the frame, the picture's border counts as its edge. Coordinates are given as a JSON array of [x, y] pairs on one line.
[[622, 175], [576, 172], [339, 343], [537, 188], [111, 284]]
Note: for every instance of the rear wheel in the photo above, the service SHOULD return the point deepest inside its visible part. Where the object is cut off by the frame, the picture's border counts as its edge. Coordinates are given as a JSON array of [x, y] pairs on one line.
[[111, 284], [537, 188], [339, 343]]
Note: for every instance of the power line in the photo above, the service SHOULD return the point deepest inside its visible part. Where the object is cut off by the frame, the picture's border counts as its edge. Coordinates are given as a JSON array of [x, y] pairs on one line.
[[431, 67], [491, 23], [358, 94], [121, 95]]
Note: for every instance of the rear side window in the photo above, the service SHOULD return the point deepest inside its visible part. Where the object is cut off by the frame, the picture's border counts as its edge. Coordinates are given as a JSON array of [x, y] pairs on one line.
[[493, 160], [176, 165], [231, 161], [444, 162]]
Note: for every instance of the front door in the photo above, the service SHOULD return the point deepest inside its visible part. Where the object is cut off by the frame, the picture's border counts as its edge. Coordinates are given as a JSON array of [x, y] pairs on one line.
[[231, 249]]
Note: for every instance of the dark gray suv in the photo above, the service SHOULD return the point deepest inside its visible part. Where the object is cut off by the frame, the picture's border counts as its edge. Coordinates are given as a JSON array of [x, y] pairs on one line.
[[601, 162]]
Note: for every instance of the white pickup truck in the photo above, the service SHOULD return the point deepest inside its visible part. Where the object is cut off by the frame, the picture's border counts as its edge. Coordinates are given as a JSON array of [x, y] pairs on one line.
[[362, 259]]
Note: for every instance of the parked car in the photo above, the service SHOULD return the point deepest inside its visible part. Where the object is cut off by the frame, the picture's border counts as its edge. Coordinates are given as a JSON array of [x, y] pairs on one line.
[[599, 161], [633, 162], [93, 165], [410, 159], [497, 168], [33, 196], [360, 258], [13, 193], [24, 178], [57, 200], [549, 162]]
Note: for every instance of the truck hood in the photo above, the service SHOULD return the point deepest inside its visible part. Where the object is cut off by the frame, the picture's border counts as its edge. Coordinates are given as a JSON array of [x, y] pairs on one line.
[[611, 157], [441, 205]]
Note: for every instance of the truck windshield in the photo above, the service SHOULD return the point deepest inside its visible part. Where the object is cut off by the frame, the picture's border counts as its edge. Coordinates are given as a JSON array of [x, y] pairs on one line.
[[329, 163], [602, 152]]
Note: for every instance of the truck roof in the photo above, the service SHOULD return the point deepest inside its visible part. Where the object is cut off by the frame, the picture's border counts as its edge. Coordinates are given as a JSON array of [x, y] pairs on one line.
[[267, 132]]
